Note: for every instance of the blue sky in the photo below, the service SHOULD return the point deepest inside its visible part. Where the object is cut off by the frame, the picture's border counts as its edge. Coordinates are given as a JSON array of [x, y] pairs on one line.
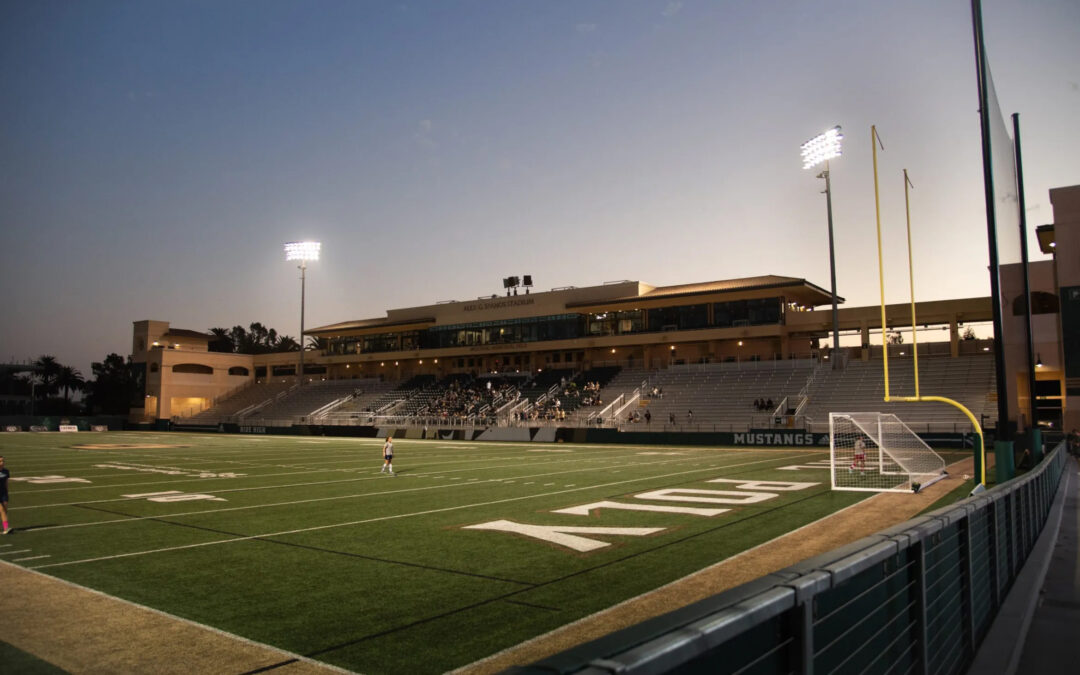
[[155, 156]]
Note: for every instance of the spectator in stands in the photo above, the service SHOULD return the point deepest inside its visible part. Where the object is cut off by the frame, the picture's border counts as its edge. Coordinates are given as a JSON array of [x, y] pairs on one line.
[[4, 475], [769, 404], [689, 416], [1073, 445], [671, 419], [648, 417]]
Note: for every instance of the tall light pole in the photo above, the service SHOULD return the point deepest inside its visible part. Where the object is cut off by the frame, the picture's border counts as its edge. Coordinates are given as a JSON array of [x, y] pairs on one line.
[[302, 251], [820, 149]]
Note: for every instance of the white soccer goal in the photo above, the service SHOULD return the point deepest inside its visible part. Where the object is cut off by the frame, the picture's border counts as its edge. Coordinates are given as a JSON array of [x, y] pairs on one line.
[[877, 452]]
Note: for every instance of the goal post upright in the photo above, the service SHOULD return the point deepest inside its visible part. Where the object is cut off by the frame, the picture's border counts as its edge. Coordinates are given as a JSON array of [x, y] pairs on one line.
[[875, 140]]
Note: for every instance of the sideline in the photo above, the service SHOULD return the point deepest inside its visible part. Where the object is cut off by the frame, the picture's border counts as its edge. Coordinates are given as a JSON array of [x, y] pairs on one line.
[[85, 631], [837, 529]]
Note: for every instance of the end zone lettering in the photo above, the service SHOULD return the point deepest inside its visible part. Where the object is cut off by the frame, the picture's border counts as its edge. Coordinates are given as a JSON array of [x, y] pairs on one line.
[[253, 430], [774, 438]]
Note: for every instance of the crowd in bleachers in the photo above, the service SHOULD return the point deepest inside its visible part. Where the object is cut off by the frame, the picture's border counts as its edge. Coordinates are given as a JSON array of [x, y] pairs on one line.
[[717, 392], [574, 391], [463, 397]]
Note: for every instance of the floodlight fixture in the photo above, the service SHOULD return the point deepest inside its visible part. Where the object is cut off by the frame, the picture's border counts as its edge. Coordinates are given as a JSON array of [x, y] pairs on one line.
[[302, 250], [818, 149], [821, 148]]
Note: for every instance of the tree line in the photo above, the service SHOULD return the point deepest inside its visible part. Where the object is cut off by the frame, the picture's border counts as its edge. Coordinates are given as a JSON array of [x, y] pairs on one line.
[[117, 383]]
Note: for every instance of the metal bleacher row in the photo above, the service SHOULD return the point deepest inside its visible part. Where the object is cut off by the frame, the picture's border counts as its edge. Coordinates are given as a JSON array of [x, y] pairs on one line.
[[721, 397]]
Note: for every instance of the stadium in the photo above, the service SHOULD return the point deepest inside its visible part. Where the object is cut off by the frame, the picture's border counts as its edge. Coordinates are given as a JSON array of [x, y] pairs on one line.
[[611, 531], [739, 475]]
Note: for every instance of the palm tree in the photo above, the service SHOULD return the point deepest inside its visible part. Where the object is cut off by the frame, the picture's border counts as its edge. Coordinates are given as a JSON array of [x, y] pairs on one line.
[[286, 343], [49, 369], [69, 380], [223, 341]]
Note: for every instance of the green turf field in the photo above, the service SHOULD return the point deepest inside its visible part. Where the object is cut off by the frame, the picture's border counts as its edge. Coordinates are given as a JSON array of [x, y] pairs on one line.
[[300, 543]]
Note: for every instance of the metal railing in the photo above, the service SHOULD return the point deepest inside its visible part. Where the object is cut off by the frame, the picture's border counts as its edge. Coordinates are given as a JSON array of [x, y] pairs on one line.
[[915, 598]]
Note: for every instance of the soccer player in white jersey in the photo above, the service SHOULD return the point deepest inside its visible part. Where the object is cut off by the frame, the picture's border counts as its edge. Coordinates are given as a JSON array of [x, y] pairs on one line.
[[860, 456], [388, 456]]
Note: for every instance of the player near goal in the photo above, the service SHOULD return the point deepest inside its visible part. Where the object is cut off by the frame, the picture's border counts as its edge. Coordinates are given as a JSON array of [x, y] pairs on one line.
[[859, 460]]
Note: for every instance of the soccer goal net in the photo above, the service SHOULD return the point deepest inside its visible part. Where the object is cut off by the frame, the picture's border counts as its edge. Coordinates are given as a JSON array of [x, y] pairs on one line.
[[878, 452]]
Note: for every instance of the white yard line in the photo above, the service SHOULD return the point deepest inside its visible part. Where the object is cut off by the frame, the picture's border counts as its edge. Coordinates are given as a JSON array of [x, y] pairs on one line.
[[636, 598], [318, 499], [367, 466], [425, 512], [366, 469]]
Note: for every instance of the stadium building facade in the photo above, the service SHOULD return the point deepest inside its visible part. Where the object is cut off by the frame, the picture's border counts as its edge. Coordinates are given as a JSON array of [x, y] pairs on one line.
[[635, 324], [626, 323]]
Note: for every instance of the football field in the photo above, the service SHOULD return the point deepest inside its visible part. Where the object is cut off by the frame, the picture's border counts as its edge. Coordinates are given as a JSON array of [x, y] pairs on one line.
[[300, 542]]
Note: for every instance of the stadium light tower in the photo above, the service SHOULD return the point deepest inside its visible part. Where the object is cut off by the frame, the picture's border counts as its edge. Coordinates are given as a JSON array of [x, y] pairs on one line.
[[820, 149], [302, 251]]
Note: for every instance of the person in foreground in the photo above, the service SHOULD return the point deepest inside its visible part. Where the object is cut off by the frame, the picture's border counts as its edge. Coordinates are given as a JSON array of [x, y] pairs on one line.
[[4, 475]]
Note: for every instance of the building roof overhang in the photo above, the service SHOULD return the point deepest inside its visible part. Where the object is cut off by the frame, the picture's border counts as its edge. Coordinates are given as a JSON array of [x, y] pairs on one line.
[[795, 290], [369, 326]]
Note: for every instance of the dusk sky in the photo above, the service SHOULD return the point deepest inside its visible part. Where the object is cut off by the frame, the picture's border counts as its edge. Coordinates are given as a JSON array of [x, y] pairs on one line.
[[155, 156]]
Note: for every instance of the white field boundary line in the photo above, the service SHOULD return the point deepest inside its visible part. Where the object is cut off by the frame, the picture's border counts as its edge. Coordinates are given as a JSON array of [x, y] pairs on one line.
[[365, 469], [365, 521], [455, 459], [455, 445], [368, 464], [636, 598], [321, 499], [590, 448], [189, 622], [311, 466]]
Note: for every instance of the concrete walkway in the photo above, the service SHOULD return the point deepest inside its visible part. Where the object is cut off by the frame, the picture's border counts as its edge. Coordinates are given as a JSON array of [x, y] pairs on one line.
[[1038, 627]]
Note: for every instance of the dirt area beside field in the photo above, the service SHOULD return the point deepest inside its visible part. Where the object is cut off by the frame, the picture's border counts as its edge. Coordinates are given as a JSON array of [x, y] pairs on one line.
[[82, 631]]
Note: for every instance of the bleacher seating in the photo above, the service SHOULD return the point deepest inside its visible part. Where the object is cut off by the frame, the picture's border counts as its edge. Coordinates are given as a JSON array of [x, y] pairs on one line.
[[721, 395], [303, 401], [860, 386], [246, 397]]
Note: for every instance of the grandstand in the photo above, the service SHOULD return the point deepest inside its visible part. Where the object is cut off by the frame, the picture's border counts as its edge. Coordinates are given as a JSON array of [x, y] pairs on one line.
[[800, 392], [860, 386], [570, 357]]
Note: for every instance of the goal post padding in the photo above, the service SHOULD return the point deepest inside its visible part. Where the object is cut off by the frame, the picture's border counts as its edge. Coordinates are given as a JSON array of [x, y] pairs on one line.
[[895, 458]]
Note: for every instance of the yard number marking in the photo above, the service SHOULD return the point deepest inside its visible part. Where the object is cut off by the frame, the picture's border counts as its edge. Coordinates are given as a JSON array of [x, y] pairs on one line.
[[568, 536], [171, 496], [48, 480], [561, 535]]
